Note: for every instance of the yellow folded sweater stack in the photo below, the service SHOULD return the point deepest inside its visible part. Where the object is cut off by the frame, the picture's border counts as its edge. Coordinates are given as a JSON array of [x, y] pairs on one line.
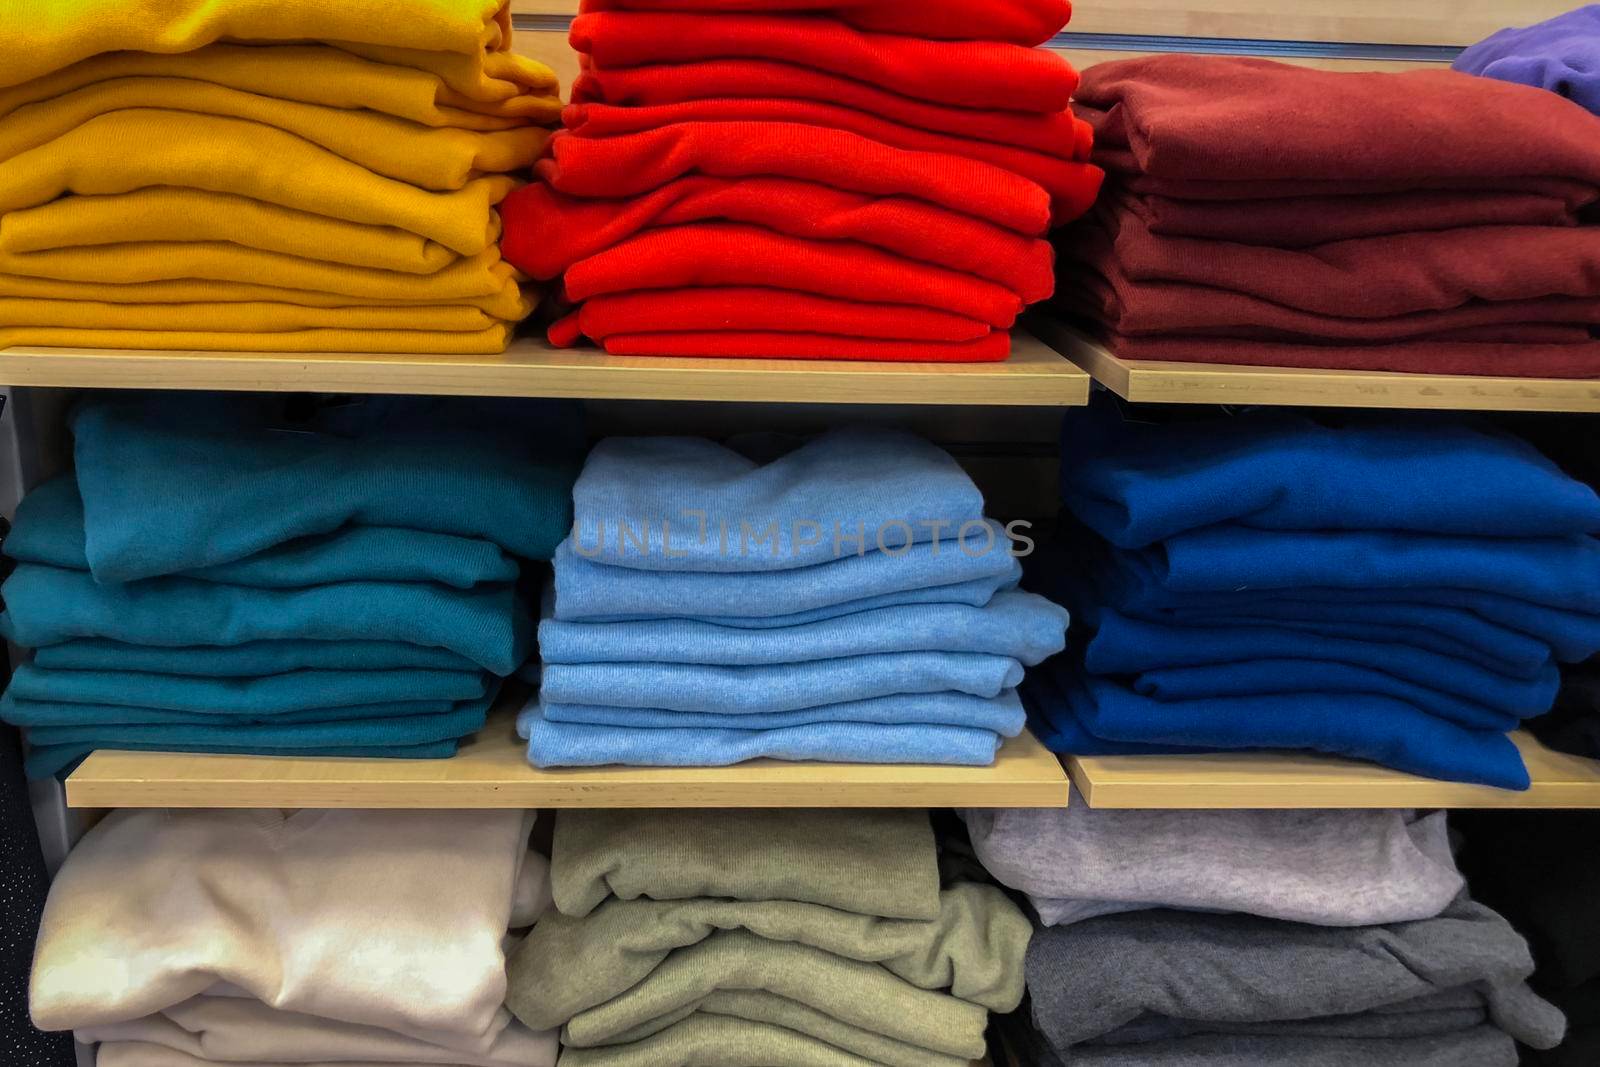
[[263, 175]]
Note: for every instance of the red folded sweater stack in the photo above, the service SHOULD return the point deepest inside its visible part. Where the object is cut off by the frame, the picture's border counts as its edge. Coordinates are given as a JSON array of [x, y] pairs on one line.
[[1265, 214], [807, 179]]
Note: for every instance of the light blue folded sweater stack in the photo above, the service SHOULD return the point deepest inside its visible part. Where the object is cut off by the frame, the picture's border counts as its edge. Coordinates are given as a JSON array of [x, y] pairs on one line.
[[847, 602], [226, 574]]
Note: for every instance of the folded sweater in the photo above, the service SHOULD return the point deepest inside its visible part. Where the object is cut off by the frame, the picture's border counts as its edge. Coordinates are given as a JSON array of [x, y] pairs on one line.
[[546, 232], [394, 731], [261, 696], [1379, 728], [1059, 133], [122, 151], [633, 164], [861, 994], [932, 572], [1328, 868], [724, 255], [781, 687], [1218, 972], [470, 468], [330, 76], [1137, 483], [1459, 614], [1561, 573], [268, 695], [165, 213], [1123, 646], [704, 507], [233, 1029], [994, 74], [992, 348], [972, 949], [278, 906], [1370, 277], [49, 529], [1299, 222], [247, 660], [437, 158], [1022, 626], [1059, 173], [705, 1039], [567, 744], [53, 761], [1225, 118], [434, 25], [488, 625], [762, 310], [484, 282], [1003, 715], [1556, 55], [1026, 22], [871, 862]]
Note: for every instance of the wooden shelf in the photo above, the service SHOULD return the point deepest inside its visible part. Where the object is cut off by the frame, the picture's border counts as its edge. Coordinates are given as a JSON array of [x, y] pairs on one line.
[[1035, 375], [492, 771], [1305, 780], [1215, 383]]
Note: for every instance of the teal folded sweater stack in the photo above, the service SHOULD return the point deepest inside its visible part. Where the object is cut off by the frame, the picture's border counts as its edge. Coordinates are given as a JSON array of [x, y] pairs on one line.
[[249, 574]]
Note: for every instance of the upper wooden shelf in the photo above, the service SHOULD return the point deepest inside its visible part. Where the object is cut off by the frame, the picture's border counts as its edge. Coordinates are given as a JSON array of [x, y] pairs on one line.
[[492, 771], [1215, 383], [1307, 780], [1035, 375]]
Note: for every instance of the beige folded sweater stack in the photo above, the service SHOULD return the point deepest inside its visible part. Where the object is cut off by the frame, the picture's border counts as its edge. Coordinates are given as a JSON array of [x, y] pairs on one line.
[[189, 938], [794, 938]]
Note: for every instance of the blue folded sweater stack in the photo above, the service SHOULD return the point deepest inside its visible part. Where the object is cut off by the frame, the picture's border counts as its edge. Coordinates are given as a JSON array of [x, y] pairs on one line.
[[848, 601], [1393, 591], [236, 574]]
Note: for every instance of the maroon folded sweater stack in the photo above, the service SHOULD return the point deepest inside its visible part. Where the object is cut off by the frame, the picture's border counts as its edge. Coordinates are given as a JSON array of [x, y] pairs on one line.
[[1271, 215]]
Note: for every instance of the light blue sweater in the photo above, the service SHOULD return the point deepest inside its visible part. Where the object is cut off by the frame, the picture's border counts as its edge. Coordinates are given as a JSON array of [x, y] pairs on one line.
[[1019, 625], [689, 504]]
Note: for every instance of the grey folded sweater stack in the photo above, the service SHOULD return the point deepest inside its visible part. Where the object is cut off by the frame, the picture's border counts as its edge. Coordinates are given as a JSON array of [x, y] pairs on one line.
[[1234, 938]]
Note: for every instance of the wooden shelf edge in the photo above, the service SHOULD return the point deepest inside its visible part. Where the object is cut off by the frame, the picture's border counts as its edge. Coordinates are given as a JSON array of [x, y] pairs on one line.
[[1272, 780], [1216, 383], [492, 772], [1035, 375]]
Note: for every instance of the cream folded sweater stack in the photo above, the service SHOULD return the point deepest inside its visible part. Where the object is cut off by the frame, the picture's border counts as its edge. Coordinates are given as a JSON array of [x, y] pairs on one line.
[[186, 938]]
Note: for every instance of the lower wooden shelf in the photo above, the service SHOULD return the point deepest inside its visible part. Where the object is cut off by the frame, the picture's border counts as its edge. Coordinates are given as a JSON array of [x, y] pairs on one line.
[[1215, 383], [1035, 375], [492, 771], [1307, 780]]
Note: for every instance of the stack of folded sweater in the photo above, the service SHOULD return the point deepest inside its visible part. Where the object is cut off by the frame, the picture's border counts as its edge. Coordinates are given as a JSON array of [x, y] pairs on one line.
[[191, 938], [262, 176], [847, 601], [764, 937], [1394, 591], [1560, 54], [228, 574], [1319, 939], [1268, 214], [1540, 872], [807, 179]]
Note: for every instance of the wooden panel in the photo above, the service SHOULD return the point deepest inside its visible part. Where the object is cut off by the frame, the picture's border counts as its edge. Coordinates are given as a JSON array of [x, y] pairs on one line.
[[1034, 375], [1216, 383], [1303, 780], [1413, 22], [1084, 58], [551, 48], [492, 771]]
